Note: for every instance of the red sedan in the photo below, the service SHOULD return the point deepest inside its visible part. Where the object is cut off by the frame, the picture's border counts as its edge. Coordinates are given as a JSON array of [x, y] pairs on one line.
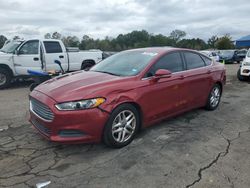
[[123, 93]]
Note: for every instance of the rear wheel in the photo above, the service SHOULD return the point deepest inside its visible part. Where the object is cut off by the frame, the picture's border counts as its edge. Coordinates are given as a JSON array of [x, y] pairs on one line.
[[121, 126], [86, 65], [214, 97], [5, 78], [240, 77]]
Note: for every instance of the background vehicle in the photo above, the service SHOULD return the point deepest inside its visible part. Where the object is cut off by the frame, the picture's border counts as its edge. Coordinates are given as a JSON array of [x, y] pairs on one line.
[[212, 54], [229, 56], [127, 91], [241, 54], [16, 57], [244, 71]]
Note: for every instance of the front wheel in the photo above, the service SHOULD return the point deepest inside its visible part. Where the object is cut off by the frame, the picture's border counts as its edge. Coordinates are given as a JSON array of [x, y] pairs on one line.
[[5, 78], [121, 126], [214, 97]]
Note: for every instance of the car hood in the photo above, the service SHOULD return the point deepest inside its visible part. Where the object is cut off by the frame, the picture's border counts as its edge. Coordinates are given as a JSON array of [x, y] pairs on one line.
[[78, 85]]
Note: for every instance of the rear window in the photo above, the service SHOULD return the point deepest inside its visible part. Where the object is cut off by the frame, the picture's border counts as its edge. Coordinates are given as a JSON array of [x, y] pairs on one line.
[[52, 47], [193, 60]]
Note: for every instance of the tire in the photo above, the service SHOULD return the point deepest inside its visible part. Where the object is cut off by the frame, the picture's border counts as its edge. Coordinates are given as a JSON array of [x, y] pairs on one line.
[[32, 86], [214, 97], [240, 77], [86, 65], [114, 138], [5, 78]]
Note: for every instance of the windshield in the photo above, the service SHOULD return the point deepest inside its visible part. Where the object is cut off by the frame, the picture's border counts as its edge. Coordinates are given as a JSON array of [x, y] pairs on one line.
[[10, 47], [127, 63], [226, 53], [242, 52], [248, 53]]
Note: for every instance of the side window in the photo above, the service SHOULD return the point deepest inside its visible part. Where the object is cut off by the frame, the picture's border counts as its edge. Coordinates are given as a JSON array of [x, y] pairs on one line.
[[206, 60], [52, 47], [193, 60], [30, 47], [172, 62]]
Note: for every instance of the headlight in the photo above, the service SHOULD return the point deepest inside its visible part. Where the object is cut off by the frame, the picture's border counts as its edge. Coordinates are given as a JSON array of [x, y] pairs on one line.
[[80, 105]]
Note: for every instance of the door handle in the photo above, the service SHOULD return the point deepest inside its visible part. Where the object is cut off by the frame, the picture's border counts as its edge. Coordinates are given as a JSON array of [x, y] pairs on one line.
[[61, 56], [36, 59]]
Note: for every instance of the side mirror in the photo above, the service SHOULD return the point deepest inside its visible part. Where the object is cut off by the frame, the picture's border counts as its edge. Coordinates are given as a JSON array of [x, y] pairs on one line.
[[163, 73]]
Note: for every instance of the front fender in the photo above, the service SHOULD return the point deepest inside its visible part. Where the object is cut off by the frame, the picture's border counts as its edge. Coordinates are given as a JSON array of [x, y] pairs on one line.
[[6, 60], [116, 98]]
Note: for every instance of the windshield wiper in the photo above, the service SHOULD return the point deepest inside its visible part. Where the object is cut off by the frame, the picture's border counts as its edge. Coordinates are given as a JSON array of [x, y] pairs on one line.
[[108, 73]]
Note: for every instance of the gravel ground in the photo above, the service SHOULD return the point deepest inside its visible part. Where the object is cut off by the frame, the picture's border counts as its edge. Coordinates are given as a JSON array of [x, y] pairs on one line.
[[196, 149]]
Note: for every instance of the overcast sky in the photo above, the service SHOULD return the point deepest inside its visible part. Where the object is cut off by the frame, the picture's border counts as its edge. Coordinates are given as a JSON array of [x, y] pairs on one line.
[[100, 18]]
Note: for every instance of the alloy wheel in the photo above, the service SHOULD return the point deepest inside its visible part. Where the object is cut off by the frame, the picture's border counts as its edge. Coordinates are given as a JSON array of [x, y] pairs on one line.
[[215, 97], [123, 126]]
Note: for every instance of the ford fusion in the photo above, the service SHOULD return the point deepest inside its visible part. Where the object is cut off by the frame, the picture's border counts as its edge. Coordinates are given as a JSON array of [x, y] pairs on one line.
[[126, 92]]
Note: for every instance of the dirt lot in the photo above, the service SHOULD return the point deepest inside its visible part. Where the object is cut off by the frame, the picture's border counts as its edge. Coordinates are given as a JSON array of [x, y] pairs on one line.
[[197, 149]]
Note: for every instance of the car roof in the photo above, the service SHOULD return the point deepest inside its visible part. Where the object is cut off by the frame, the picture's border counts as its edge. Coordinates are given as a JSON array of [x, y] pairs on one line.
[[159, 49]]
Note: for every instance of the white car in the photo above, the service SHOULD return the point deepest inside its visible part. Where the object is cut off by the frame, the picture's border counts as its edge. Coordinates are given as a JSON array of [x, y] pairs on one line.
[[244, 70], [17, 57]]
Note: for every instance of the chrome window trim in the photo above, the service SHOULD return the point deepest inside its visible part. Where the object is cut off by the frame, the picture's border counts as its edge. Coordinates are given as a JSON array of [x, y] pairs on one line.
[[184, 70]]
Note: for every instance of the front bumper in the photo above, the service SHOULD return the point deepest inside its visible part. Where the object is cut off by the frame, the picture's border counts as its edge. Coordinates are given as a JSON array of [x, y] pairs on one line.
[[82, 126]]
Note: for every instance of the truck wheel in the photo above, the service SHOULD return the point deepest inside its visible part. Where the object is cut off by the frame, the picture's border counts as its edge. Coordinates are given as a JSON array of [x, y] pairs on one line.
[[5, 78], [240, 77], [86, 65], [32, 86]]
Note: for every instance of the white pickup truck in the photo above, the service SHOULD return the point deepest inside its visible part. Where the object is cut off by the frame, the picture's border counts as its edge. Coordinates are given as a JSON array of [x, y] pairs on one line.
[[16, 57]]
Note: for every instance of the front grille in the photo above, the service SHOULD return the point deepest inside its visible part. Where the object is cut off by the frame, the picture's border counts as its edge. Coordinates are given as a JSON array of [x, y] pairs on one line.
[[41, 127], [41, 110]]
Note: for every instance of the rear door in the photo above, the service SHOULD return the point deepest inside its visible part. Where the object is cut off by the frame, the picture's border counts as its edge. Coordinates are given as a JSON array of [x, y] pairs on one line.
[[28, 57], [54, 51], [197, 79]]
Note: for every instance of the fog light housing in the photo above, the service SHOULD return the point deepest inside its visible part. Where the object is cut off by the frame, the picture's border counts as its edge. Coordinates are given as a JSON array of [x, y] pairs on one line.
[[71, 133]]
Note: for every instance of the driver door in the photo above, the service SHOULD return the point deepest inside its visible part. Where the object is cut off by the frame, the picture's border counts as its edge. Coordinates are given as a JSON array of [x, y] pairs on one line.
[[28, 57], [163, 97]]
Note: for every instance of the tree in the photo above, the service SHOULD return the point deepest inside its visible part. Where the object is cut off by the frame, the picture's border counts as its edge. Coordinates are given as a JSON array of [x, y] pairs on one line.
[[71, 41], [197, 44], [85, 40], [212, 41], [47, 36], [2, 40], [56, 35], [161, 40], [224, 43], [177, 35]]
